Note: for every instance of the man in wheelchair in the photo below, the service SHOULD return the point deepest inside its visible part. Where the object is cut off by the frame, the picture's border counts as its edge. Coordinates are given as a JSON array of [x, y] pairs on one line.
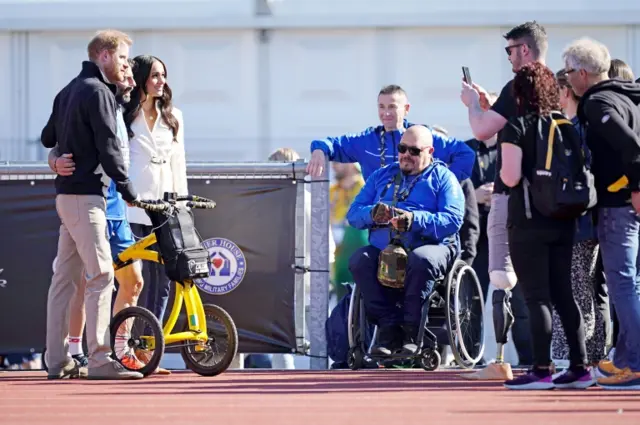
[[414, 209]]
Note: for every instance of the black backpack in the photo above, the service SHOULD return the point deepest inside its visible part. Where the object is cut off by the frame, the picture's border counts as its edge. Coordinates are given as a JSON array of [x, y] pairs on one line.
[[562, 185]]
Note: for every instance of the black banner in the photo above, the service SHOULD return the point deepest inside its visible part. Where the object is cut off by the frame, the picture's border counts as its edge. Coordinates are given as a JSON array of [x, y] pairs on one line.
[[250, 236], [29, 226]]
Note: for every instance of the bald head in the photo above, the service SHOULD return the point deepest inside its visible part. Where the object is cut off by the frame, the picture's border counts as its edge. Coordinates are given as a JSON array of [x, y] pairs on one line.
[[415, 149], [418, 136]]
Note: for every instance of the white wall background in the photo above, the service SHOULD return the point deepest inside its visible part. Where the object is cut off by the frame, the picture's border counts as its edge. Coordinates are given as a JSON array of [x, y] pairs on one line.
[[249, 82]]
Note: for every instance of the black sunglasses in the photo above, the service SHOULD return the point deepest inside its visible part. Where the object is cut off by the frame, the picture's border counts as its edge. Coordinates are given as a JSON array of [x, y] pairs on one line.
[[402, 148], [513, 46]]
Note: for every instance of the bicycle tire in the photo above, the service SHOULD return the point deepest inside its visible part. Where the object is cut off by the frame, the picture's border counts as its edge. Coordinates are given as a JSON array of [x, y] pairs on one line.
[[212, 310], [158, 352]]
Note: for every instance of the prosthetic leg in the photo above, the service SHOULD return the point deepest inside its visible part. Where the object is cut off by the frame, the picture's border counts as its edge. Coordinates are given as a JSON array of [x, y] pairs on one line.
[[502, 321]]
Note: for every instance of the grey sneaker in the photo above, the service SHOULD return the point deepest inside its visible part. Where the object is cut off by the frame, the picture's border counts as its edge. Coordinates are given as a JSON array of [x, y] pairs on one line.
[[71, 370], [113, 371]]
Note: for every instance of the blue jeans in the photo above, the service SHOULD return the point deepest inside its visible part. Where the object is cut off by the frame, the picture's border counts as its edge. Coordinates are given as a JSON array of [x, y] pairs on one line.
[[619, 235]]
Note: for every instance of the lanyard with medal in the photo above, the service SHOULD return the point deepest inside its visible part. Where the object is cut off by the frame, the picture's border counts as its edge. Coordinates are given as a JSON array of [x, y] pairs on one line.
[[383, 147], [392, 261]]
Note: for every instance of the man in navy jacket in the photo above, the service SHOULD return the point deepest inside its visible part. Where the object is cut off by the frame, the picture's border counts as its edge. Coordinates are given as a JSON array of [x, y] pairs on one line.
[[83, 124], [428, 213]]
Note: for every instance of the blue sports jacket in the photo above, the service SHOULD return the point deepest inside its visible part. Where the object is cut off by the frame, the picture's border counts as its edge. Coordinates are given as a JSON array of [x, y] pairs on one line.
[[436, 201], [364, 148]]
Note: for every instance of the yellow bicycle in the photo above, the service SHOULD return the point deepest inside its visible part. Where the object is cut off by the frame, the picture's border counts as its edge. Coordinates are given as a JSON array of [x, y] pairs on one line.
[[209, 339]]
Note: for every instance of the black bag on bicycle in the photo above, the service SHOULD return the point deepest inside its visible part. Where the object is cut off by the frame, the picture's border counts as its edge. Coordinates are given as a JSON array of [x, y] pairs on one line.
[[181, 249]]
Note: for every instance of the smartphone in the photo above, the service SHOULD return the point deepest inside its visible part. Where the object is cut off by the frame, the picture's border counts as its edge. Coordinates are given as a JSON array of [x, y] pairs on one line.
[[466, 75]]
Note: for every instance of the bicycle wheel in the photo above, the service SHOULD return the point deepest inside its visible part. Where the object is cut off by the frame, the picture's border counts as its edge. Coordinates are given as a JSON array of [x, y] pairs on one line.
[[214, 356], [137, 342]]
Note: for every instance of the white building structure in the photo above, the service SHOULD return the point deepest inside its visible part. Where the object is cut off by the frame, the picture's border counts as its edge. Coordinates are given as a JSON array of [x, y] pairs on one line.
[[255, 75]]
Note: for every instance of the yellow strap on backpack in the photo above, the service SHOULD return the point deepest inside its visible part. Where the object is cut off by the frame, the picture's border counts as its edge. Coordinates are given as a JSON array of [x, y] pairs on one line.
[[551, 138], [619, 184]]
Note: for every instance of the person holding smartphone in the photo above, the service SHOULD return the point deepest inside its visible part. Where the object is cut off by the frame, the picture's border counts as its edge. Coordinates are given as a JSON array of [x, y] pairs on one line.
[[526, 43]]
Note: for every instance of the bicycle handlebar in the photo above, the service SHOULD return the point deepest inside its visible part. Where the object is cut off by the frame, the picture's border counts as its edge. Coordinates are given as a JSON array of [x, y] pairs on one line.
[[194, 198], [158, 205], [151, 205], [202, 205]]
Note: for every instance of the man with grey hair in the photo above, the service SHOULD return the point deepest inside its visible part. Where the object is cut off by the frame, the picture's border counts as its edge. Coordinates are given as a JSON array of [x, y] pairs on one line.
[[609, 112]]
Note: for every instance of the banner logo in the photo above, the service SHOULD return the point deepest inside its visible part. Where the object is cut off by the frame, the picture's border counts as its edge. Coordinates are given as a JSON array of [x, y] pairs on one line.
[[227, 267]]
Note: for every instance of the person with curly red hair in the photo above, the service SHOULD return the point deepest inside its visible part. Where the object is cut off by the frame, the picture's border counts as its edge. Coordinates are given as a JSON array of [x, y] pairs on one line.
[[540, 246]]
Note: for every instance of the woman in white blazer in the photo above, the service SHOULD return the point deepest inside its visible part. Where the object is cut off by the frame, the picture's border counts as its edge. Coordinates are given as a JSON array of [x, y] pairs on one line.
[[157, 155]]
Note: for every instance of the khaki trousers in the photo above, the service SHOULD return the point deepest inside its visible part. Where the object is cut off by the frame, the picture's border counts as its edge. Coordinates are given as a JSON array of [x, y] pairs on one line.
[[82, 245]]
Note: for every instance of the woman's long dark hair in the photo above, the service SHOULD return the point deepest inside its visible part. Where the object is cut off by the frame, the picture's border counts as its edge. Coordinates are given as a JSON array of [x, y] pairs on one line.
[[536, 90], [141, 71], [561, 76]]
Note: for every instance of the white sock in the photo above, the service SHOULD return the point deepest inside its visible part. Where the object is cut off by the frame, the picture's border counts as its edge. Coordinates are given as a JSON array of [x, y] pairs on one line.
[[75, 345]]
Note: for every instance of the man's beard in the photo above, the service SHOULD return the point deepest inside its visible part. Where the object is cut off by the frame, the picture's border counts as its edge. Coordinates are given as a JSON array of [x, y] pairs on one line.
[[111, 71], [122, 98], [405, 171]]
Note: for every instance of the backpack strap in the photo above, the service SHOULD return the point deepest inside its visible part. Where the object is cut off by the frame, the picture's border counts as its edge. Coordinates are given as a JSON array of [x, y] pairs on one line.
[[527, 200], [553, 125]]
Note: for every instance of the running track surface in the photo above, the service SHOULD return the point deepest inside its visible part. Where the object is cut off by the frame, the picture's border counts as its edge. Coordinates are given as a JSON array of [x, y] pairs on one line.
[[263, 397]]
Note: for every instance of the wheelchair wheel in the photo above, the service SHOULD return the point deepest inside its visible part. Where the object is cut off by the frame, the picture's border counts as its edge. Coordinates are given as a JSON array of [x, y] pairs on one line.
[[360, 334], [215, 356], [137, 341], [355, 358], [355, 355], [354, 319], [465, 312], [430, 360]]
